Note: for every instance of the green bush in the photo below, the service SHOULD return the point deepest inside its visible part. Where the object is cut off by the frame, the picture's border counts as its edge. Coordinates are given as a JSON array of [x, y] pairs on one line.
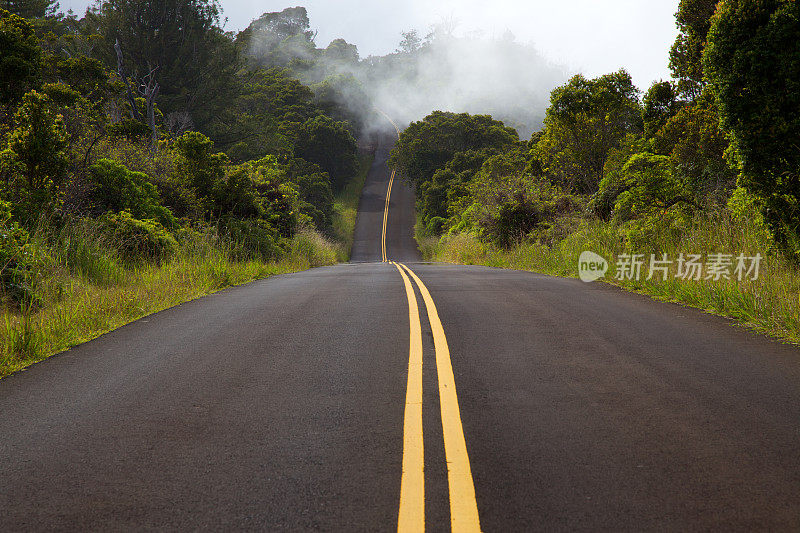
[[115, 188], [752, 61], [138, 240], [80, 246], [652, 185], [16, 268], [252, 238], [35, 162], [524, 210], [20, 57]]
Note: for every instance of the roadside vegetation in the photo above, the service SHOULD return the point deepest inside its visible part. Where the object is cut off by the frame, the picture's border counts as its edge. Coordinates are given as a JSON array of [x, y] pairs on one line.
[[146, 159], [704, 164], [345, 208]]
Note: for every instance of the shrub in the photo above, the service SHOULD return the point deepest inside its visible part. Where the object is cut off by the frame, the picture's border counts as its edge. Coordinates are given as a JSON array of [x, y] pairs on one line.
[[252, 238], [20, 57], [651, 186], [16, 268], [35, 162], [116, 189], [524, 208], [138, 240]]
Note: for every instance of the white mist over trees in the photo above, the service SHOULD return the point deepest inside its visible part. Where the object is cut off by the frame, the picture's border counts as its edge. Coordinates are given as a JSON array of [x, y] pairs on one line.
[[440, 71]]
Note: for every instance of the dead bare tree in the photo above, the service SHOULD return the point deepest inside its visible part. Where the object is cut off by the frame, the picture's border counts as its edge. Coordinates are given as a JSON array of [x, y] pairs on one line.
[[178, 123], [147, 88]]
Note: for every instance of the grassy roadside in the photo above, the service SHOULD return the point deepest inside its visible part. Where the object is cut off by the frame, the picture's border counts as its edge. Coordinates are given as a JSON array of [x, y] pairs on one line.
[[345, 208], [85, 298], [85, 290], [768, 305]]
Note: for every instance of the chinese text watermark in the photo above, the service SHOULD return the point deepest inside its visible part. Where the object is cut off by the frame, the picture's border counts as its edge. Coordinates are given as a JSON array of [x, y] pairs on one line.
[[695, 267]]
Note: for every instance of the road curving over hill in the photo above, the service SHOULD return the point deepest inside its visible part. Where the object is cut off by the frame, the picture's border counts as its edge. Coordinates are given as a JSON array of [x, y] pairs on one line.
[[389, 392]]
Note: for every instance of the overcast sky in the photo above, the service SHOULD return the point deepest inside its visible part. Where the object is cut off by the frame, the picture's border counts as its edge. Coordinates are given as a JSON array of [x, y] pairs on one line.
[[589, 36]]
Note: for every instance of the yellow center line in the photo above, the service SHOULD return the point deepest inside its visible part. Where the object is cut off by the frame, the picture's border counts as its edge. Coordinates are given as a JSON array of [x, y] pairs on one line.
[[384, 256], [412, 486], [463, 505]]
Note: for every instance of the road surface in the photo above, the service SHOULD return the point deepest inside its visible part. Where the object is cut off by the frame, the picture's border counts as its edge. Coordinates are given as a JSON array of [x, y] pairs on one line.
[[374, 394]]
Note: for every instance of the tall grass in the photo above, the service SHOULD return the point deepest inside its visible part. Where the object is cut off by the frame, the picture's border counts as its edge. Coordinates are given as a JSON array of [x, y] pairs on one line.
[[84, 289], [769, 304], [346, 208]]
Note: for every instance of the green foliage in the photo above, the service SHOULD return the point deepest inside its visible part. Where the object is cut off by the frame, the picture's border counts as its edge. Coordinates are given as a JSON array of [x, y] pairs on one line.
[[16, 269], [130, 129], [35, 160], [276, 201], [519, 207], [651, 186], [748, 210], [697, 146], [198, 173], [31, 8], [427, 146], [251, 127], [685, 56], [252, 238], [277, 38], [315, 196], [195, 60], [118, 189], [753, 63], [138, 240], [614, 180], [659, 104], [329, 144], [20, 57], [585, 120], [342, 97]]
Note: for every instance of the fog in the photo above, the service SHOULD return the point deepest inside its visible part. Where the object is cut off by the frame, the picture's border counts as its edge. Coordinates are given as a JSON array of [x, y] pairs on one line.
[[439, 71], [471, 61], [499, 77]]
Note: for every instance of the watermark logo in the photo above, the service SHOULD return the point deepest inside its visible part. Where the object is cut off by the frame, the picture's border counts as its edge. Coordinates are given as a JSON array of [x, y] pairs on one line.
[[591, 267], [686, 267]]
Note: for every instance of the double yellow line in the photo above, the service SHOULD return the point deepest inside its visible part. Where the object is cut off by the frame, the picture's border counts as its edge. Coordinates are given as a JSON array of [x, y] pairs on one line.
[[384, 257], [463, 505]]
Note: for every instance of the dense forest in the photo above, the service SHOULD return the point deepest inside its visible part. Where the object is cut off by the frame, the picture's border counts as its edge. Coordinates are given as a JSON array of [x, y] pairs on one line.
[[143, 139], [147, 156], [720, 138], [149, 126]]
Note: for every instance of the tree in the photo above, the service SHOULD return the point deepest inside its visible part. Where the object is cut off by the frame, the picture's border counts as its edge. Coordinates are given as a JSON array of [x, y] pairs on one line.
[[115, 189], [37, 156], [315, 196], [31, 8], [753, 63], [341, 53], [696, 144], [275, 39], [329, 144], [411, 42], [659, 104], [278, 26], [342, 98], [20, 57], [685, 56], [651, 185], [179, 42], [585, 120], [427, 145], [200, 170]]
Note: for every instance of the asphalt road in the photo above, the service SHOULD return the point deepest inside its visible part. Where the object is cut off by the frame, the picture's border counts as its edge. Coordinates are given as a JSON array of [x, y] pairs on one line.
[[291, 404]]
